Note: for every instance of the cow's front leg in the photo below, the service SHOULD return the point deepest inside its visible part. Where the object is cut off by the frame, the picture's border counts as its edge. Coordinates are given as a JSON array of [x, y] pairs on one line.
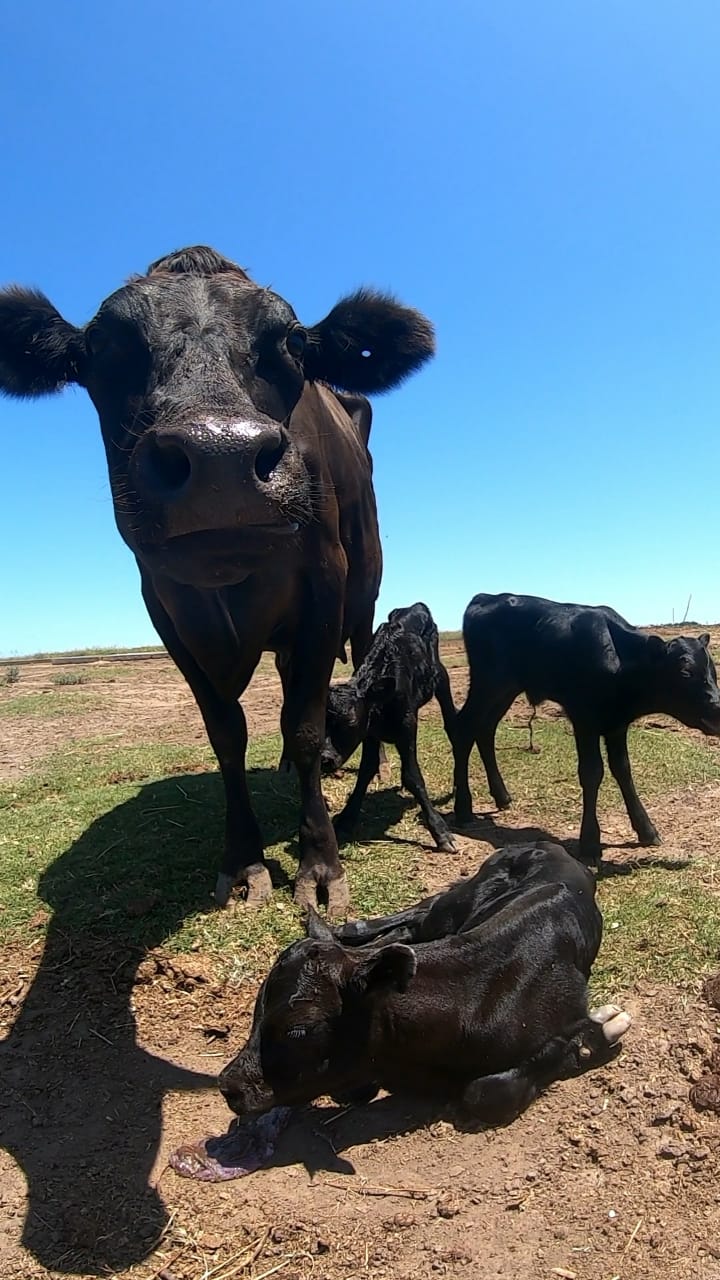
[[242, 861], [303, 726]]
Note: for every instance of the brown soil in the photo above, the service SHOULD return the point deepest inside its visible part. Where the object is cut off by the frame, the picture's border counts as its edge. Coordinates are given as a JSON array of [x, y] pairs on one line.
[[614, 1175]]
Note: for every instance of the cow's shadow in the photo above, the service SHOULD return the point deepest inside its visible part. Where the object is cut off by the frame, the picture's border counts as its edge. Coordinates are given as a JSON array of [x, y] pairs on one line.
[[80, 1110]]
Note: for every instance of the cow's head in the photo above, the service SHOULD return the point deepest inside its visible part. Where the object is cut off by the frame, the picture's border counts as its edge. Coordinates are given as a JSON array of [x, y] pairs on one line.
[[689, 681], [312, 1024], [195, 372]]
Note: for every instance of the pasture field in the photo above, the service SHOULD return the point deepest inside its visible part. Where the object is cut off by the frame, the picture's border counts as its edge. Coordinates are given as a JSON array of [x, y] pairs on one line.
[[122, 992]]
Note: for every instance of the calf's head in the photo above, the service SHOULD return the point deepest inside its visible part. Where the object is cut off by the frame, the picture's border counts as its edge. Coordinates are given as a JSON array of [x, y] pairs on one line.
[[312, 1024], [195, 372], [689, 682], [345, 724]]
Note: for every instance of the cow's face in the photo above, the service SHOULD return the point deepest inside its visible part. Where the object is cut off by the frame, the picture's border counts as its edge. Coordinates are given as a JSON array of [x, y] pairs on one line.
[[691, 691], [195, 372], [312, 1024]]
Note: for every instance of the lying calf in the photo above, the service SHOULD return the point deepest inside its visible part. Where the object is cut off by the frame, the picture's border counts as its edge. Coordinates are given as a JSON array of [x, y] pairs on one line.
[[488, 1008], [401, 673]]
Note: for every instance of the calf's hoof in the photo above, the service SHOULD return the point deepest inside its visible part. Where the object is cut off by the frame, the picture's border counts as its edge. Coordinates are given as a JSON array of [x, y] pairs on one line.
[[649, 839], [613, 1020], [307, 884], [446, 844], [463, 817], [590, 855], [343, 830], [503, 802]]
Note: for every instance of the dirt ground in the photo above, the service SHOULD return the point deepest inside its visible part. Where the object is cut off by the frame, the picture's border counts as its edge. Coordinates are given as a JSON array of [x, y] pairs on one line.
[[108, 1063]]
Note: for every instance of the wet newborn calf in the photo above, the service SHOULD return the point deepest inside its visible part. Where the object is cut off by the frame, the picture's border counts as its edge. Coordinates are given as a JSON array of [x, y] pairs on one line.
[[400, 674], [486, 1007]]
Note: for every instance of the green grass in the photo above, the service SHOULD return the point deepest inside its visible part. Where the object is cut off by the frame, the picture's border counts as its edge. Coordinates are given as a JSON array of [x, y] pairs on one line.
[[50, 704], [123, 845]]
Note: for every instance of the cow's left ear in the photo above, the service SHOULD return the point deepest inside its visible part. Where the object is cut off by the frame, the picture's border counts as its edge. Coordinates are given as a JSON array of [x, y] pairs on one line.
[[39, 351], [391, 967], [368, 343], [705, 639]]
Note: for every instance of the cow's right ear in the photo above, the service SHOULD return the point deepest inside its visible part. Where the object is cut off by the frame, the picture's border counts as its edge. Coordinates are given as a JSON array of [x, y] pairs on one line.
[[39, 351], [391, 967]]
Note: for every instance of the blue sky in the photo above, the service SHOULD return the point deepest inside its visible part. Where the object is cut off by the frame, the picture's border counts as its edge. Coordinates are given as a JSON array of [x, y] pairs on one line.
[[542, 180]]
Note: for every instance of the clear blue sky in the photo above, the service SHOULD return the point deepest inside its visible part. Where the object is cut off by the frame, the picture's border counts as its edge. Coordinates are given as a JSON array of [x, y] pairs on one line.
[[543, 180]]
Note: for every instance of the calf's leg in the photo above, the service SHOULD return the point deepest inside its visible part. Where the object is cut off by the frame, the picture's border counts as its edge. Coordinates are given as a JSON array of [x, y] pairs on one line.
[[414, 782], [346, 820], [590, 773], [619, 762], [498, 1099], [443, 694], [485, 739], [360, 643]]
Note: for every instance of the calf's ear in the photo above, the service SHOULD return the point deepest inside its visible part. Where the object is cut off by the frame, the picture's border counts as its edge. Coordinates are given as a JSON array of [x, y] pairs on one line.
[[316, 928], [39, 351], [657, 648], [705, 639], [391, 967], [368, 343]]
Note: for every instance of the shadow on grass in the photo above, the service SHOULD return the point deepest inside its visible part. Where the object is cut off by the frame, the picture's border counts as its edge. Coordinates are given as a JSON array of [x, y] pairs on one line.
[[81, 1103], [486, 827]]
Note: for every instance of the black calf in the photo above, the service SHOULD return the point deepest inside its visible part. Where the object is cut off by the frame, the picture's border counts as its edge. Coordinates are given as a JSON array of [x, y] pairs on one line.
[[487, 1007], [600, 669], [380, 703]]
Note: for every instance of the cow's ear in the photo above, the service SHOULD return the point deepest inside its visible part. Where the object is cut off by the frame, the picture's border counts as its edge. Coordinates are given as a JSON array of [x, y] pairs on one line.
[[705, 639], [39, 351], [391, 967], [368, 343]]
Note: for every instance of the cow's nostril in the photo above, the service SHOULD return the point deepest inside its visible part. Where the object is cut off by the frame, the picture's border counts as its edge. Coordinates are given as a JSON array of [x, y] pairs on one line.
[[268, 458], [168, 466]]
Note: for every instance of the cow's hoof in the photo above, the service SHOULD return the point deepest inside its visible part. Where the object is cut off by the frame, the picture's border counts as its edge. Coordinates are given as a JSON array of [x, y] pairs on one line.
[[284, 765], [257, 880], [224, 886], [446, 844], [504, 802], [614, 1021], [338, 894]]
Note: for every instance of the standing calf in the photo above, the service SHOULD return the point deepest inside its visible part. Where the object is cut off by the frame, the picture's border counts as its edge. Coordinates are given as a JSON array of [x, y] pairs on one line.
[[487, 1007], [602, 671], [401, 673]]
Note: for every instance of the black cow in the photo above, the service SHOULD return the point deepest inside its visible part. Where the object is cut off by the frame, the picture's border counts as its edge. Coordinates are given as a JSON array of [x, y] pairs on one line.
[[243, 485], [602, 671], [401, 672], [486, 1007]]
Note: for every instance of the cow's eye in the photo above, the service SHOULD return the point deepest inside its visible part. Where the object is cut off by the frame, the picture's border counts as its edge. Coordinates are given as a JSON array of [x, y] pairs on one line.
[[296, 342]]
